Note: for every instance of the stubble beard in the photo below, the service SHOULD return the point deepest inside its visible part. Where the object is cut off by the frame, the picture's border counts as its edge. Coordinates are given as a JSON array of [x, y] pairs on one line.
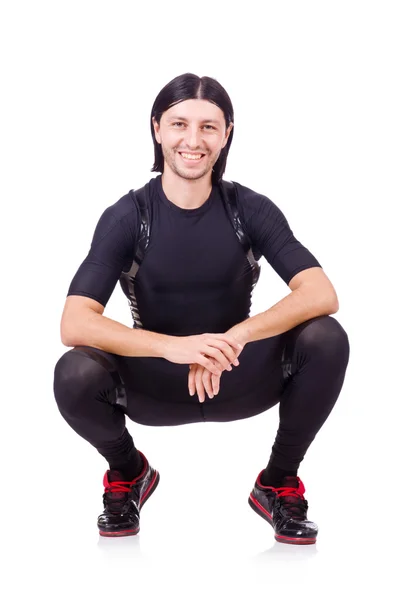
[[187, 173]]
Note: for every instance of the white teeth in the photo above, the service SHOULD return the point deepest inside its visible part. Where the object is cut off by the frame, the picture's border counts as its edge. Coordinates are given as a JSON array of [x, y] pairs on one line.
[[191, 156]]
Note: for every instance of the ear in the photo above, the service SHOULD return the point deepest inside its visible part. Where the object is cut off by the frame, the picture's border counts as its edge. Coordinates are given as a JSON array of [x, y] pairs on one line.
[[231, 125], [156, 128]]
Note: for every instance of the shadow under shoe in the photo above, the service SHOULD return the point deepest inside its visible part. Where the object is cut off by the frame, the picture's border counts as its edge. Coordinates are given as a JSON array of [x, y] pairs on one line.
[[123, 500], [285, 508]]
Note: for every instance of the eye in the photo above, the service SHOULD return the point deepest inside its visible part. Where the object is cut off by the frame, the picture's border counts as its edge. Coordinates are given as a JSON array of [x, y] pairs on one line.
[[180, 123]]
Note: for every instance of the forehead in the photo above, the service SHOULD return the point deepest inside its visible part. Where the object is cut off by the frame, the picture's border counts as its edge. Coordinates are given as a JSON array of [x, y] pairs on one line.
[[195, 110]]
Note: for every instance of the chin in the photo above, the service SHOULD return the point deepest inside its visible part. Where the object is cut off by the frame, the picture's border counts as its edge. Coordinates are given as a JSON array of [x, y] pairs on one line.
[[195, 175], [189, 174]]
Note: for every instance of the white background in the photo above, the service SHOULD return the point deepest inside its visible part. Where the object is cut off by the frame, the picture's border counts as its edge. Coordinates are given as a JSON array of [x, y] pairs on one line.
[[313, 86]]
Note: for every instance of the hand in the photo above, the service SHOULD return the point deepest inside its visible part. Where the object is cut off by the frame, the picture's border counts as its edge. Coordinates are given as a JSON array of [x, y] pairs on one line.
[[202, 380], [213, 351]]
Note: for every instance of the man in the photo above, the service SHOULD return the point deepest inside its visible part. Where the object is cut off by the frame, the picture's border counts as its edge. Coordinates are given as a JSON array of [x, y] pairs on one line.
[[184, 249]]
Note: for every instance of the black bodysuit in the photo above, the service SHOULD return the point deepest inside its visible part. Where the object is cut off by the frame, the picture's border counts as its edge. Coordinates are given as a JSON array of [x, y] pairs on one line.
[[190, 271], [195, 276]]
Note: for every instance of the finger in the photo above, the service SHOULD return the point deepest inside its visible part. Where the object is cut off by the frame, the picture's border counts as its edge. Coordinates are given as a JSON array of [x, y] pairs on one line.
[[206, 379], [215, 380], [223, 345], [191, 380], [221, 357], [228, 338], [211, 382], [217, 365], [205, 362], [199, 384], [191, 385], [229, 352]]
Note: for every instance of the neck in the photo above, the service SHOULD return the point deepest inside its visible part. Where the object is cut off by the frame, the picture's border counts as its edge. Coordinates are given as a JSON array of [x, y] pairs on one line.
[[186, 193]]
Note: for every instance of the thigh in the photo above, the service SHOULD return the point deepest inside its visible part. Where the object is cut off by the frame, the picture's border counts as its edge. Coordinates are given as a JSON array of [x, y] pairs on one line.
[[157, 385], [254, 386], [157, 392], [154, 391], [150, 391], [109, 362]]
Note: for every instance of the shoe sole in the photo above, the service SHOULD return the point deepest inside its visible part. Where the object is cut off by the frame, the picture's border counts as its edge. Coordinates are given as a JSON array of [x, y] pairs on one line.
[[123, 532], [262, 512]]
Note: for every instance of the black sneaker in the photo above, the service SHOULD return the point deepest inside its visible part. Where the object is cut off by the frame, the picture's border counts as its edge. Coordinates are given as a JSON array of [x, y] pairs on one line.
[[123, 500], [285, 508]]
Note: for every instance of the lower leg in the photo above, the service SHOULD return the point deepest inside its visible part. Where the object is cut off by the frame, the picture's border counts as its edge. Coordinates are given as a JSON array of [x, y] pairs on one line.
[[122, 455], [318, 351], [85, 392]]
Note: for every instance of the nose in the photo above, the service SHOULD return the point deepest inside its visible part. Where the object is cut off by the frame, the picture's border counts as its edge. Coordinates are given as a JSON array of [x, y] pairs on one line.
[[193, 139]]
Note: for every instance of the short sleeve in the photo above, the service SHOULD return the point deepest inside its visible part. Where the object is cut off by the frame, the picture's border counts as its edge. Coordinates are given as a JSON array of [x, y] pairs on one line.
[[271, 234], [112, 250]]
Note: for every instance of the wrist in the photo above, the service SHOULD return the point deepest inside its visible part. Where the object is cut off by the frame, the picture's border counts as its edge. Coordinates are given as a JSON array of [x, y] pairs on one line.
[[162, 344], [239, 334]]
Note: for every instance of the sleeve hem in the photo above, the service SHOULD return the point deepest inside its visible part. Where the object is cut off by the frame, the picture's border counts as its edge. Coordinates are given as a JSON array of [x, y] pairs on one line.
[[300, 269], [87, 295]]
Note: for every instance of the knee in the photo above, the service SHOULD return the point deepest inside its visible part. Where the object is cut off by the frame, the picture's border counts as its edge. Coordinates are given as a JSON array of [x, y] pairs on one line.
[[67, 381], [74, 376], [325, 336]]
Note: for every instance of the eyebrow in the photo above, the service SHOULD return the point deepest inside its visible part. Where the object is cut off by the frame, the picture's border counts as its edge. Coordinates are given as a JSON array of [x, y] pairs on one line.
[[184, 119]]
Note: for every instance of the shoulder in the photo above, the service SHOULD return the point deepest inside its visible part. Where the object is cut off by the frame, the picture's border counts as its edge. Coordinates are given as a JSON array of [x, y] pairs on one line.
[[246, 192], [126, 207], [129, 211], [253, 203], [123, 216], [130, 206]]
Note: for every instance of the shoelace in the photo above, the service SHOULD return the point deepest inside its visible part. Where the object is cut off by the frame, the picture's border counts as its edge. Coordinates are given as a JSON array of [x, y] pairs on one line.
[[117, 486], [115, 495], [292, 501]]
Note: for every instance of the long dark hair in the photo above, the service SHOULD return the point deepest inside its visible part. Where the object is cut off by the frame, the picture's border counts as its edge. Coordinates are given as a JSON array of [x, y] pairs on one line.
[[186, 87]]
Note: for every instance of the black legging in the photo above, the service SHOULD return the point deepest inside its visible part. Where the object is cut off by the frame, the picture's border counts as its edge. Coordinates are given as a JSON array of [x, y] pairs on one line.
[[302, 369]]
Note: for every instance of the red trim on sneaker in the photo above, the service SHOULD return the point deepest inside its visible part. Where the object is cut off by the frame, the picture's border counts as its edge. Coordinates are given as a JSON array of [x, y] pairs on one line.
[[260, 484], [116, 533], [144, 468], [255, 501], [299, 540]]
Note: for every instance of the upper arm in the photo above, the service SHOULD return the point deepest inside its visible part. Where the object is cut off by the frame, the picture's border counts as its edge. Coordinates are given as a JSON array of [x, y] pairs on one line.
[[79, 303], [317, 280], [74, 307], [272, 235], [111, 252]]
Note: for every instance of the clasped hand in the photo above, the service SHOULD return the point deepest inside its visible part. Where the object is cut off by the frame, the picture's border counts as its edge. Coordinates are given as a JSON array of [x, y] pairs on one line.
[[208, 355], [202, 380]]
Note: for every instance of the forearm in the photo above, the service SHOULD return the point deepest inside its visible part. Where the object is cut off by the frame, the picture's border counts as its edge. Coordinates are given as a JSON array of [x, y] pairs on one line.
[[300, 305], [95, 330]]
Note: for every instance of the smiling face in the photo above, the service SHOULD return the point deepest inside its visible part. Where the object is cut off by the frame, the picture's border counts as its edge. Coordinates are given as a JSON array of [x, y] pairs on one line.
[[193, 126]]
